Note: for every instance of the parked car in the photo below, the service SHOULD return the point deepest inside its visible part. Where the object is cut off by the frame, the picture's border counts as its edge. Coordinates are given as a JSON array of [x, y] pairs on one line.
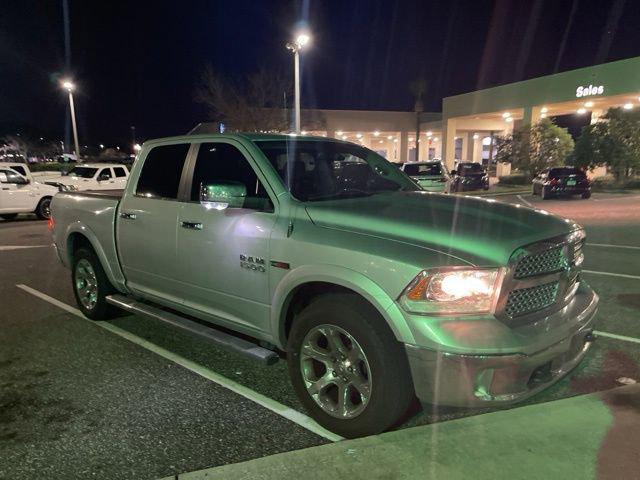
[[431, 176], [376, 291], [19, 193], [561, 181], [92, 176], [469, 176]]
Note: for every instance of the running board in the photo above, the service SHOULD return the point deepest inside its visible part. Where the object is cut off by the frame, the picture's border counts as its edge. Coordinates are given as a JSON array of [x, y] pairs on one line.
[[223, 339]]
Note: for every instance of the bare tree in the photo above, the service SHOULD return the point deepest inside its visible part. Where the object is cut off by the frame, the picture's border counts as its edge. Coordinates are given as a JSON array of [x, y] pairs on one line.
[[253, 105], [16, 145]]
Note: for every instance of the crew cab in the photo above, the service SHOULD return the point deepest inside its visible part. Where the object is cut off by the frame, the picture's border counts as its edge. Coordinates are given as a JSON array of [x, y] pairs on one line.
[[431, 176], [469, 176], [92, 176], [561, 181], [19, 193], [377, 292]]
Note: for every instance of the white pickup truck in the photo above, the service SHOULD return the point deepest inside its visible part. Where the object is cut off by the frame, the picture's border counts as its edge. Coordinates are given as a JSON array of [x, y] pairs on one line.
[[20, 193], [92, 176]]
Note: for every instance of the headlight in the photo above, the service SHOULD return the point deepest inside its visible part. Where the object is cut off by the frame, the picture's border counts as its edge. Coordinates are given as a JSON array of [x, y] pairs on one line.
[[67, 188], [452, 291]]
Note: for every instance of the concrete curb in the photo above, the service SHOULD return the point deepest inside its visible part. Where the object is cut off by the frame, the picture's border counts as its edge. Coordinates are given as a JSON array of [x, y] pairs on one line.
[[589, 436]]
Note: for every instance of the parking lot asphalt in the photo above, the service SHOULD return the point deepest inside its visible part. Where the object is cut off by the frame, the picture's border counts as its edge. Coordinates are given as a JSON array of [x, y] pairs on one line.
[[77, 400]]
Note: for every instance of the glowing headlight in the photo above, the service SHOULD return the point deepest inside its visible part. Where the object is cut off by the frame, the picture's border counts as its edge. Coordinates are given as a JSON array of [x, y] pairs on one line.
[[459, 291]]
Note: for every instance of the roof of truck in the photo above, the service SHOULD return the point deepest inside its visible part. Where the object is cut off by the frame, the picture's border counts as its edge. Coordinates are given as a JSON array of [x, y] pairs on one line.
[[242, 135]]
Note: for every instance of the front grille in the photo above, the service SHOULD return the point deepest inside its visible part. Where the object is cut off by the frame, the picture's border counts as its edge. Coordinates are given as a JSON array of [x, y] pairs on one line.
[[526, 300], [548, 261]]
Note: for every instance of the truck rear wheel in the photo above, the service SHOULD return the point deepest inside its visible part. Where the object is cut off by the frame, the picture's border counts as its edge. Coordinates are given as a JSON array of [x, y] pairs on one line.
[[91, 285], [347, 368], [43, 210]]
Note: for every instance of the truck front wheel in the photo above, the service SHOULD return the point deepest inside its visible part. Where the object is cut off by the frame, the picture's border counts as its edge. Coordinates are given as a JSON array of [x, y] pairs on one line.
[[43, 210], [91, 285], [347, 368]]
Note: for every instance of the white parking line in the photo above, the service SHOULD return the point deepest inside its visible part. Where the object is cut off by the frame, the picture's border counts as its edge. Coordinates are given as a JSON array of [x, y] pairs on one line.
[[266, 402], [617, 337], [20, 247], [622, 275], [607, 245], [529, 204]]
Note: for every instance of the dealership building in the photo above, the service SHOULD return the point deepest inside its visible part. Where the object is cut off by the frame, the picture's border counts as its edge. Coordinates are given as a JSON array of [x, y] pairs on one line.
[[468, 124]]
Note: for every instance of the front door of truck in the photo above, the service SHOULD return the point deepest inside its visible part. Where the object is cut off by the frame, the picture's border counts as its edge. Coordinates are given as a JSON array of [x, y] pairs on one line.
[[146, 224], [16, 195], [224, 254]]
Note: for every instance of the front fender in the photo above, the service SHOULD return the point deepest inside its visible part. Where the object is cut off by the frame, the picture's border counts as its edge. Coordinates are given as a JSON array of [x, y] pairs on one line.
[[113, 271], [343, 277]]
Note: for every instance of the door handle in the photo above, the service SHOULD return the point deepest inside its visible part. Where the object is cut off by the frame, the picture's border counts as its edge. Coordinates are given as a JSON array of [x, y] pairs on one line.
[[128, 216], [191, 225]]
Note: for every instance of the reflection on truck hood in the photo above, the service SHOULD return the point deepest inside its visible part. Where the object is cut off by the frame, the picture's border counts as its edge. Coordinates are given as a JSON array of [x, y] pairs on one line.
[[482, 232]]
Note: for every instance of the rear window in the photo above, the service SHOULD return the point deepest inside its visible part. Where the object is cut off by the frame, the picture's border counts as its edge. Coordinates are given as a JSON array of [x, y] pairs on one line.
[[423, 169], [565, 171], [83, 172], [469, 168], [161, 172]]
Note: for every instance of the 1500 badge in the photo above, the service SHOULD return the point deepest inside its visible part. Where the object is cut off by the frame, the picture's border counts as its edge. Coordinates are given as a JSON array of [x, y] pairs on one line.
[[252, 263]]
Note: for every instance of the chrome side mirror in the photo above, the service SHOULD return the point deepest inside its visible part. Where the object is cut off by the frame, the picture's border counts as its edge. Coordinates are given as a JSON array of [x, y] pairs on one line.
[[223, 195]]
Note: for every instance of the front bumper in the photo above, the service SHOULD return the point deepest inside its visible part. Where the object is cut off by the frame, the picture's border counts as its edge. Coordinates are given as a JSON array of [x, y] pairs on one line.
[[462, 380]]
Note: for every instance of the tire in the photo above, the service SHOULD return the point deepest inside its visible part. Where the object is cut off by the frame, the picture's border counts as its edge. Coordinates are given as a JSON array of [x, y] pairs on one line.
[[382, 369], [43, 210], [87, 269], [9, 216], [586, 195], [544, 193]]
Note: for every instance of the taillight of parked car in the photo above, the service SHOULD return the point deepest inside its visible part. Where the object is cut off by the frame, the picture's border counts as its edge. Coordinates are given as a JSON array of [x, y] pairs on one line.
[[50, 224], [553, 181]]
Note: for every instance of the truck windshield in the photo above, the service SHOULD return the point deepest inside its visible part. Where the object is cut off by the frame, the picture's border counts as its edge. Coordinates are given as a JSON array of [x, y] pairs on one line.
[[321, 170], [84, 172], [425, 169]]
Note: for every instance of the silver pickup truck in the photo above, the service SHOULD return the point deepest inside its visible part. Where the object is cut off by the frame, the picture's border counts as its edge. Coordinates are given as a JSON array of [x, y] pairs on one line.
[[377, 292]]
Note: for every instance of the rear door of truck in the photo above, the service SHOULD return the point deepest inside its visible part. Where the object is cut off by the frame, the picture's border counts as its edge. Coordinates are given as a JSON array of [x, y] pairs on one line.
[[147, 222]]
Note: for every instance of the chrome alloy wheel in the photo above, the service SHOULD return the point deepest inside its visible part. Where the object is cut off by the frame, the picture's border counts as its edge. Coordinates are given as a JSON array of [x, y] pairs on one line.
[[335, 371], [86, 284]]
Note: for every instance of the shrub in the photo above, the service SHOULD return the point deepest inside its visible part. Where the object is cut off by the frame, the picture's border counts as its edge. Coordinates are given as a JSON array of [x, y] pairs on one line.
[[607, 183], [50, 167], [515, 179]]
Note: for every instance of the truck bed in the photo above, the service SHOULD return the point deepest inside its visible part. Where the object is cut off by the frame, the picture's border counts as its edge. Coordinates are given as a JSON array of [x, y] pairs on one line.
[[92, 214]]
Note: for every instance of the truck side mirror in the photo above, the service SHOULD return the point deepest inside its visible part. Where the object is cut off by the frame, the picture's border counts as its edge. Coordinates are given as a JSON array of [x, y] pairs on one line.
[[222, 195], [103, 177]]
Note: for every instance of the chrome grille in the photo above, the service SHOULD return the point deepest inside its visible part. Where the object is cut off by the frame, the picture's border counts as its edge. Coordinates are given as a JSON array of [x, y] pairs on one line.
[[526, 300], [548, 261]]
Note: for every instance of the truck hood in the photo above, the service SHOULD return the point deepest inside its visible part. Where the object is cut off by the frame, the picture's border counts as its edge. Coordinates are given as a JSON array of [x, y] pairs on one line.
[[478, 231]]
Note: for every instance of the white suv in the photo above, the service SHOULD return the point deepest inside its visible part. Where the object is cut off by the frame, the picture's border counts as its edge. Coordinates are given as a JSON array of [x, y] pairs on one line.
[[19, 193], [92, 176]]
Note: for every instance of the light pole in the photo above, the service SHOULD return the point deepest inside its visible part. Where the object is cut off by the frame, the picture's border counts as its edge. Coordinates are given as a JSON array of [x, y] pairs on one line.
[[298, 44], [69, 86]]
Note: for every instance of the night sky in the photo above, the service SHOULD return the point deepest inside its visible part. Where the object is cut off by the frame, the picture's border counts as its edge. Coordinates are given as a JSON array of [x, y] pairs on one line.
[[137, 63]]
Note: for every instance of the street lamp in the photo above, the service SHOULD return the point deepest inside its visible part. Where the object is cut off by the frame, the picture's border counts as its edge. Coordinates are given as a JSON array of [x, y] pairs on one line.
[[69, 86], [298, 44]]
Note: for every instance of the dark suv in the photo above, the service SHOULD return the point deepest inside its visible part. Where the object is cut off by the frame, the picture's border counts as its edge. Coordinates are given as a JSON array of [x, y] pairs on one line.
[[469, 176], [561, 181]]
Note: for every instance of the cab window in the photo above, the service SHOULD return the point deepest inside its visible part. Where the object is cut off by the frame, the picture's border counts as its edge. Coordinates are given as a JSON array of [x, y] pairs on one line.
[[104, 173], [222, 162], [161, 172], [119, 171], [19, 169], [9, 176]]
